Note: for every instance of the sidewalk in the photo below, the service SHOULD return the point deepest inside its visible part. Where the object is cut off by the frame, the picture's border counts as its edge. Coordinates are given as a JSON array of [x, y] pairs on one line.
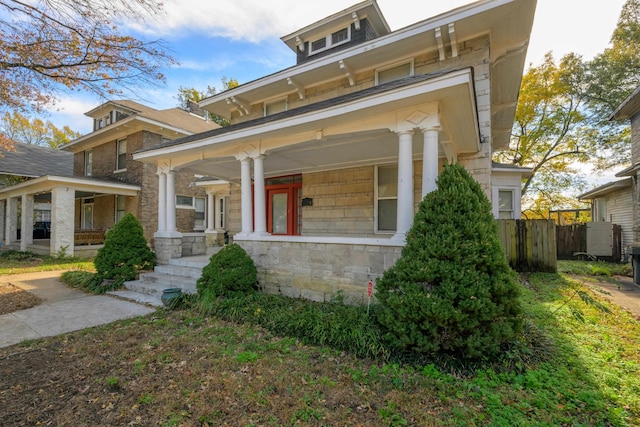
[[63, 310]]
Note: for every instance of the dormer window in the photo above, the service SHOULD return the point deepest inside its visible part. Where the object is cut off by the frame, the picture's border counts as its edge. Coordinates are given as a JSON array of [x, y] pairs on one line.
[[394, 72], [331, 40], [275, 106]]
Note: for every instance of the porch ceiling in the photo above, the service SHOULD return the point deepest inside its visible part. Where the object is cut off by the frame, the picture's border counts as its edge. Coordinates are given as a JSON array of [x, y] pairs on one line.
[[354, 133]]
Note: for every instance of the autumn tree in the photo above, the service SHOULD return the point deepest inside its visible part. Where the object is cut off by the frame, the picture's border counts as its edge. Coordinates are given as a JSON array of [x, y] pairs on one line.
[[189, 95], [48, 47], [19, 128], [550, 133]]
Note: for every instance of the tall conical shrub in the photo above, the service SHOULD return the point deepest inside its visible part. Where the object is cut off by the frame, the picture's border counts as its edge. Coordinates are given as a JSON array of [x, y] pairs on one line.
[[452, 289], [125, 252]]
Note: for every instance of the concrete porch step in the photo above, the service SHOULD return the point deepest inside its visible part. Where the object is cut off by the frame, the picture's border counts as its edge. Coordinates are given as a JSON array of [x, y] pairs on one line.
[[177, 270], [156, 282], [139, 297]]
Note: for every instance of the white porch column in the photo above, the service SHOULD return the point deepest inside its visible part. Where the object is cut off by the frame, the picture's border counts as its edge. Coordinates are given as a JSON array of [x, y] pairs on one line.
[[247, 205], [171, 202], [3, 217], [211, 209], [26, 227], [62, 220], [11, 223], [429, 160], [258, 195], [162, 202], [405, 184]]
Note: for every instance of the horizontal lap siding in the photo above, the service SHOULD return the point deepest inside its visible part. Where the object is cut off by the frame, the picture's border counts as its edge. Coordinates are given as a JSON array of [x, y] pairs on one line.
[[619, 206]]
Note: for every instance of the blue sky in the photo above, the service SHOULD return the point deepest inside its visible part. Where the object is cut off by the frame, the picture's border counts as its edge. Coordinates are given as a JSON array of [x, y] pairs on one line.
[[240, 39]]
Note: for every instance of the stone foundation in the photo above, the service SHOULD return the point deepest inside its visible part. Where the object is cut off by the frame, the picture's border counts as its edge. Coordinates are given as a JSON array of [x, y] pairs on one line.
[[167, 248], [193, 244], [317, 271]]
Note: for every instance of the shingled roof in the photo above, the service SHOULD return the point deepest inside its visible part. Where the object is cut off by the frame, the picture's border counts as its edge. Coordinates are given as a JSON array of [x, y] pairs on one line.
[[33, 160]]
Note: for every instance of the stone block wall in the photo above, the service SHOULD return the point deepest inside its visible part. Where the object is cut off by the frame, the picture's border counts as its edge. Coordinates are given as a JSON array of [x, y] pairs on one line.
[[317, 271], [194, 244]]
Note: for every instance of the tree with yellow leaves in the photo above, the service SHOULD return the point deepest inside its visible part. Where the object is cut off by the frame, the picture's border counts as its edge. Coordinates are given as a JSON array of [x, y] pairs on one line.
[[51, 46]]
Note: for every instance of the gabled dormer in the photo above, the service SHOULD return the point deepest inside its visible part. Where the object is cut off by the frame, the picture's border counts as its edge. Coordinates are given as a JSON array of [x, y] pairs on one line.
[[112, 112], [352, 26]]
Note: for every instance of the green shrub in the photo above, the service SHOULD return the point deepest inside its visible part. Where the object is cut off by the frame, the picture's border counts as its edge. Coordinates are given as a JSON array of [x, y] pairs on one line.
[[452, 290], [229, 271], [342, 327], [87, 281], [124, 254]]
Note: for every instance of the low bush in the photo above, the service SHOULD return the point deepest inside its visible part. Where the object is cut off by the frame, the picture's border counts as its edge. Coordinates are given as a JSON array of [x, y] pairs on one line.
[[229, 272], [342, 327]]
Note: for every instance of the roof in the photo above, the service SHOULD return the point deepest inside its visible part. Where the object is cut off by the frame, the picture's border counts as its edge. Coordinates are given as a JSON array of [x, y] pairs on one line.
[[172, 121], [302, 110], [33, 160], [628, 107], [511, 168], [607, 188]]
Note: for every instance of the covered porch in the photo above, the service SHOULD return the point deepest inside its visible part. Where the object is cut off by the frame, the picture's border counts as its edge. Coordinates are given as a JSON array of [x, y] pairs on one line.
[[67, 221], [309, 196]]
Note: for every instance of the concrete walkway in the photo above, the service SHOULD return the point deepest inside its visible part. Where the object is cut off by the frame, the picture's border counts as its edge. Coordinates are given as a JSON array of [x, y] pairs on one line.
[[63, 310]]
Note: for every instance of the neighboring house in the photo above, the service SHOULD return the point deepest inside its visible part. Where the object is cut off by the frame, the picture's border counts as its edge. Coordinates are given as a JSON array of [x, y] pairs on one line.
[[31, 161], [328, 160], [612, 203], [629, 110], [103, 183]]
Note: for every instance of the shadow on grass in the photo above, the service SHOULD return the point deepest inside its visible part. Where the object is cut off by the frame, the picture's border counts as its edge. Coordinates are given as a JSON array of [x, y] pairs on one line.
[[592, 376]]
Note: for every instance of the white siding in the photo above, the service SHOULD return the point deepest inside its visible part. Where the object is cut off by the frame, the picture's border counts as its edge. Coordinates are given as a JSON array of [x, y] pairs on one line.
[[619, 207]]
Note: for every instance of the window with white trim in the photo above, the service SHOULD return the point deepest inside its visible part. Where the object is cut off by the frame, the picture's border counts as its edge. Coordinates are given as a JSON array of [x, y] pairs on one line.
[[506, 204], [199, 221], [184, 201], [274, 107], [334, 39], [121, 162], [394, 72], [222, 213], [88, 162], [120, 207], [386, 198], [599, 209]]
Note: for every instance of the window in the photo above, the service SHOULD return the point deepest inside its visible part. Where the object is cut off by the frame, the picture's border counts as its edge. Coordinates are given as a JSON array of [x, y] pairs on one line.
[[386, 198], [222, 216], [274, 107], [184, 201], [336, 38], [120, 207], [122, 155], [505, 204], [88, 163], [394, 72], [200, 222], [599, 210], [87, 214]]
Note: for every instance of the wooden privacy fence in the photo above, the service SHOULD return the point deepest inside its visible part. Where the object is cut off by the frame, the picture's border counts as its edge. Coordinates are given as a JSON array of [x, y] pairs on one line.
[[530, 245], [572, 242]]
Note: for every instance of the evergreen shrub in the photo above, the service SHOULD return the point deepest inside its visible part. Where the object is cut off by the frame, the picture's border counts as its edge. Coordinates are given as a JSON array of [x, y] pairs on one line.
[[124, 254], [230, 271], [452, 290]]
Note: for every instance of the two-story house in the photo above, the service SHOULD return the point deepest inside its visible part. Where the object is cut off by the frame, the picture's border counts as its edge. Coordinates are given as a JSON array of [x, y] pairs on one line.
[[106, 183], [328, 159]]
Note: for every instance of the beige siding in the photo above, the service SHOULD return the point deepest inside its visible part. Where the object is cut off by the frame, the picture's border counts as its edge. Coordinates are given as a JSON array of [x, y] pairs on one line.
[[619, 207]]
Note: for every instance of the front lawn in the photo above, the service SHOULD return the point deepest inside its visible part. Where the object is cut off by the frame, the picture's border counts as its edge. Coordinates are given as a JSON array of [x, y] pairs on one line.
[[182, 368]]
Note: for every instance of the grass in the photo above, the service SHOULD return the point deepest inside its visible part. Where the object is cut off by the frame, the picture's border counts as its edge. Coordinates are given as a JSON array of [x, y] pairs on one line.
[[580, 367], [17, 262]]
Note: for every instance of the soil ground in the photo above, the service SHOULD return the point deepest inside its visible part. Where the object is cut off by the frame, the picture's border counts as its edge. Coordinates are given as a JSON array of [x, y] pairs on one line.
[[12, 298]]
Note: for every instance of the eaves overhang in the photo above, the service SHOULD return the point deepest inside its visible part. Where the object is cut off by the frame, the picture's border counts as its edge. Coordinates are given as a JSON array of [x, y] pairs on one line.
[[122, 129], [605, 189], [507, 22], [629, 107], [47, 182], [453, 90]]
